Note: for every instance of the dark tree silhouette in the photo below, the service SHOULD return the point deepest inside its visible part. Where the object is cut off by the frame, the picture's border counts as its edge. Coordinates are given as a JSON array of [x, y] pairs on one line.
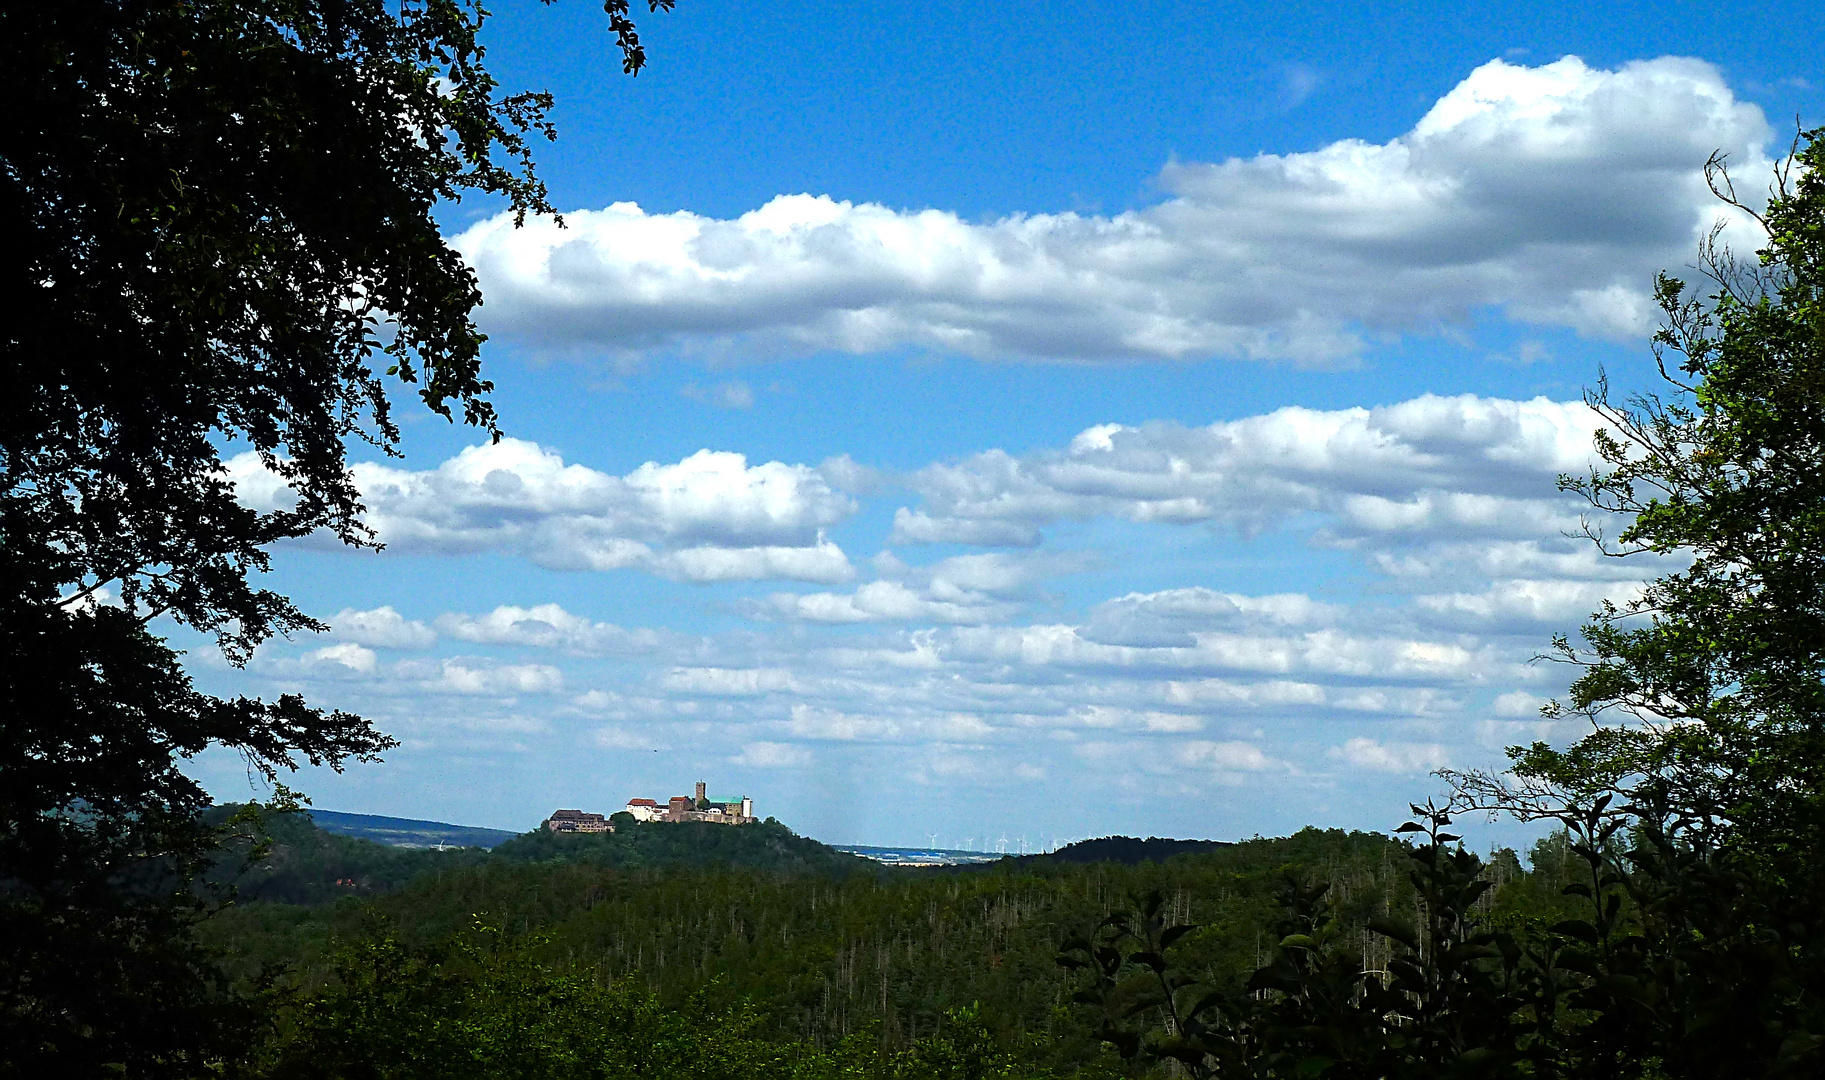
[[218, 234]]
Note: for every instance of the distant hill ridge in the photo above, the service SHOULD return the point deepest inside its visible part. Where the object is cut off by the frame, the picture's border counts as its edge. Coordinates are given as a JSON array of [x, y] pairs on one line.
[[414, 833], [407, 832], [1132, 851], [764, 844], [323, 855]]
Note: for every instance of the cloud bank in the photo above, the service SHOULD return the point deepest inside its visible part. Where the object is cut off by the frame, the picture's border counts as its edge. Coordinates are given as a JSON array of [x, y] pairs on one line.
[[709, 517], [1432, 469], [1551, 193], [1449, 499]]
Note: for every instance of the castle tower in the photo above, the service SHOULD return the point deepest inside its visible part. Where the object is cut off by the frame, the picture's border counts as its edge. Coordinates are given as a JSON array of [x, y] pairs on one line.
[[701, 796]]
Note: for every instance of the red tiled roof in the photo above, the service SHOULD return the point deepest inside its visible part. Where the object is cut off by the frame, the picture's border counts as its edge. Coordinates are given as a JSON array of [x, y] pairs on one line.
[[641, 802]]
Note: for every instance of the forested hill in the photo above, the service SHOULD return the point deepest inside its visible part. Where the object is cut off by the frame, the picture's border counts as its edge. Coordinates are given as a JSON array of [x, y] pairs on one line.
[[766, 845], [1129, 850], [307, 864], [754, 913]]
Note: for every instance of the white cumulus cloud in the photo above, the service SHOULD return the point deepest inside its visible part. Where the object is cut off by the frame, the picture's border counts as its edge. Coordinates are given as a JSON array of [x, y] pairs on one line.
[[729, 682], [1170, 617], [1224, 756], [1551, 192], [475, 677], [963, 589], [709, 517], [1430, 467], [382, 627], [1394, 757], [1523, 605], [547, 626], [772, 755], [1519, 704], [348, 655]]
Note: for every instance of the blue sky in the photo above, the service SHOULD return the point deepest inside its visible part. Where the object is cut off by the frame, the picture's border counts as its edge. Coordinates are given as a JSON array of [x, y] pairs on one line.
[[1030, 419]]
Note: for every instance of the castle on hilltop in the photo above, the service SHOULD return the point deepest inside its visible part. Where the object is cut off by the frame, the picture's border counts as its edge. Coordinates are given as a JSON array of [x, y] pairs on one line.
[[577, 821], [701, 808], [677, 808]]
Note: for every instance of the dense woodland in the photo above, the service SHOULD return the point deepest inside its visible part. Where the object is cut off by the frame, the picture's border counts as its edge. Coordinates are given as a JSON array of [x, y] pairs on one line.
[[819, 949]]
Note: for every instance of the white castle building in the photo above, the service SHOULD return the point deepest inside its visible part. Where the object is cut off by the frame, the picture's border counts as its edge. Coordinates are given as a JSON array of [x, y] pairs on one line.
[[701, 808]]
